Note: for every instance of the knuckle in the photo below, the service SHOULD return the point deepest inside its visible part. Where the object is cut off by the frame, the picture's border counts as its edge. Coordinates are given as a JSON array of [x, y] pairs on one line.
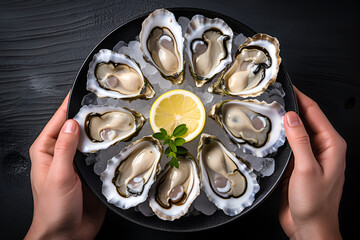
[[306, 171], [311, 105], [302, 139], [339, 143], [33, 151], [62, 146], [342, 143]]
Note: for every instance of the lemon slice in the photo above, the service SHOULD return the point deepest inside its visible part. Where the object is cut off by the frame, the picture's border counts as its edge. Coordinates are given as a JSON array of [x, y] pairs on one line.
[[177, 107]]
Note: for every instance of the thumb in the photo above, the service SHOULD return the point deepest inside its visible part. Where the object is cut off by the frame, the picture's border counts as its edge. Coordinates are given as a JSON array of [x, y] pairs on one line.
[[299, 142], [65, 149]]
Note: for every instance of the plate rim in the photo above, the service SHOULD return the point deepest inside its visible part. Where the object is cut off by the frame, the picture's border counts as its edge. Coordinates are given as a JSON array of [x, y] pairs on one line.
[[149, 225]]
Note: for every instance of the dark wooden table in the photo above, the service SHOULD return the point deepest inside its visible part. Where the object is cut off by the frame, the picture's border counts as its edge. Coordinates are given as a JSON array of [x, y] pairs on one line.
[[43, 44]]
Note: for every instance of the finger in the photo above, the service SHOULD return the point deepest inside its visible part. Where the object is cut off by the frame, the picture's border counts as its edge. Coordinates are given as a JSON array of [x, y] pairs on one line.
[[42, 150], [53, 127], [299, 141], [312, 115], [64, 152], [328, 142]]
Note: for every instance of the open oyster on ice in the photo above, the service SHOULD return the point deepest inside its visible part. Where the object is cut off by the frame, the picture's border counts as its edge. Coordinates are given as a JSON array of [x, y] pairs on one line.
[[208, 45], [128, 176], [175, 189], [103, 126], [257, 127], [116, 75], [162, 44], [226, 180], [255, 66]]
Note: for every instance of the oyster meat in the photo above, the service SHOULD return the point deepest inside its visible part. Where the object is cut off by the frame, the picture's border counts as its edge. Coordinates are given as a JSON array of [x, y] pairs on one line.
[[162, 44], [257, 127], [255, 66], [226, 180], [176, 189], [208, 46], [128, 176], [116, 75], [103, 126]]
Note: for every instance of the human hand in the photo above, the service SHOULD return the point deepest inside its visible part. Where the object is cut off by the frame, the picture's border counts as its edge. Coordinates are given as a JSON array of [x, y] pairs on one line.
[[63, 208], [313, 184]]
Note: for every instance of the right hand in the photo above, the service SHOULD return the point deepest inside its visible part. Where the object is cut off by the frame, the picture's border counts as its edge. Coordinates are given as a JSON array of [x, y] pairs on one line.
[[314, 181]]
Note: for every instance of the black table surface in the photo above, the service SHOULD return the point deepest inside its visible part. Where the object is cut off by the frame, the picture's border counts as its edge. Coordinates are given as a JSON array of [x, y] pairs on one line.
[[43, 44]]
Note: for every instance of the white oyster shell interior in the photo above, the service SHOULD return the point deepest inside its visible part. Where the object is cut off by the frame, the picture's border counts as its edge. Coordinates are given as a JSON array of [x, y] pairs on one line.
[[255, 66], [103, 126], [116, 75], [227, 182], [175, 190], [208, 45], [161, 42], [129, 175], [257, 127]]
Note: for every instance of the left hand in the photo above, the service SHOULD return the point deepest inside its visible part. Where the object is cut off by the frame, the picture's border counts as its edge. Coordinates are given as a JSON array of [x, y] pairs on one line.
[[63, 208]]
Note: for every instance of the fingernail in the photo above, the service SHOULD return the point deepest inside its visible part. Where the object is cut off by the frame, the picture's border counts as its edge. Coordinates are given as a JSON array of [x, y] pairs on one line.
[[293, 119], [70, 127]]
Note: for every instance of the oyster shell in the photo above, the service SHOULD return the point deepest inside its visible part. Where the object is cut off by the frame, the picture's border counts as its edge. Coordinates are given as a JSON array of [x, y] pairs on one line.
[[103, 126], [128, 176], [257, 127], [255, 66], [176, 189], [227, 181], [116, 75], [161, 42], [208, 45]]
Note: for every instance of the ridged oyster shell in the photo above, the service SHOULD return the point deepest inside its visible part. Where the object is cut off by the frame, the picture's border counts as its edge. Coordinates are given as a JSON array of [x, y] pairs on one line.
[[116, 75], [208, 46], [162, 44], [175, 189], [257, 127], [129, 176], [226, 180], [103, 126], [255, 66]]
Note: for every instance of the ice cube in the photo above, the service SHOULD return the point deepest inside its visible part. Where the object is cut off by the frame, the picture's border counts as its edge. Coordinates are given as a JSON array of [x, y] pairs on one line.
[[165, 84], [89, 99], [145, 209], [202, 204], [119, 45], [183, 22], [239, 39]]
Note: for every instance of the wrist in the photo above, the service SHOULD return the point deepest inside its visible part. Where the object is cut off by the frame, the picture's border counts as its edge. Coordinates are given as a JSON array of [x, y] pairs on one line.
[[39, 232], [328, 230]]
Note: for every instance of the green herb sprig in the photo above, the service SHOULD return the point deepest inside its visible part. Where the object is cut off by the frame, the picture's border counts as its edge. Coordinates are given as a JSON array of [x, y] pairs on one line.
[[174, 141]]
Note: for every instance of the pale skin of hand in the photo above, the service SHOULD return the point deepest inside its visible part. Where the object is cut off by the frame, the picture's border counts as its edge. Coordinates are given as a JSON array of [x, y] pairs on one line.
[[313, 183], [63, 207]]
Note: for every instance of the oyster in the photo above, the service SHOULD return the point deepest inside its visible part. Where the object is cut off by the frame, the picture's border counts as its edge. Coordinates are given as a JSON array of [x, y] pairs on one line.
[[129, 175], [116, 75], [208, 45], [227, 182], [255, 66], [257, 127], [172, 195], [161, 42], [103, 126]]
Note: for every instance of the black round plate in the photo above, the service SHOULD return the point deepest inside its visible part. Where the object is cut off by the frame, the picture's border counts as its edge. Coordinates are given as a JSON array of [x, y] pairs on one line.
[[127, 32]]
